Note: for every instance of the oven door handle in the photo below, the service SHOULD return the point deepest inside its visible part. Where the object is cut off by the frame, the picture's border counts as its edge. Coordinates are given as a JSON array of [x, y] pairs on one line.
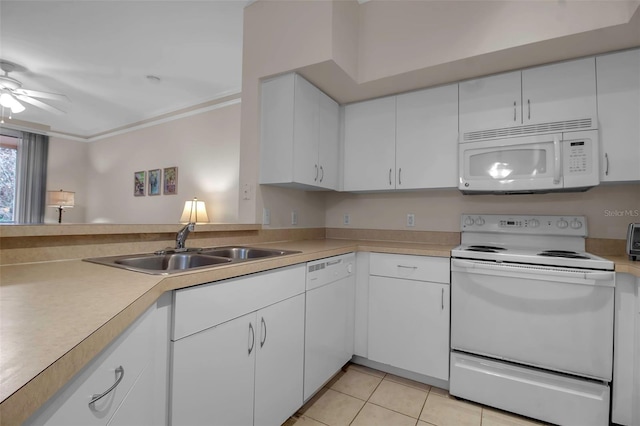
[[599, 278]]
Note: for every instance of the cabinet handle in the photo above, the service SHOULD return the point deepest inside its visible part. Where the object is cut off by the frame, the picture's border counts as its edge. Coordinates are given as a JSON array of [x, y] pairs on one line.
[[321, 173], [316, 178], [442, 297], [98, 396], [252, 338], [514, 110], [400, 176], [606, 159], [264, 335], [528, 109], [389, 176], [408, 267]]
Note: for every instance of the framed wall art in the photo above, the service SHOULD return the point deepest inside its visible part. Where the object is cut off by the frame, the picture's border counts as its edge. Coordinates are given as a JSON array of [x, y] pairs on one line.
[[139, 183], [170, 180], [155, 180]]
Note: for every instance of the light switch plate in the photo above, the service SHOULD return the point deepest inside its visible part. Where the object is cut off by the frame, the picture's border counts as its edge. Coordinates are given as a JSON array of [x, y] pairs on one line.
[[266, 216]]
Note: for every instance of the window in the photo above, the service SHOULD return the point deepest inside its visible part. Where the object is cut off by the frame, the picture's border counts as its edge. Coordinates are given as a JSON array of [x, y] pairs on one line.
[[8, 160]]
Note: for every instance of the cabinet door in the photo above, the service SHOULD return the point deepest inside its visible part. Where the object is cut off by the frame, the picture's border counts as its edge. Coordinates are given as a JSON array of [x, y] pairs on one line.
[[370, 145], [276, 130], [279, 361], [213, 375], [490, 102], [427, 139], [559, 92], [619, 115], [305, 133], [328, 141], [409, 325]]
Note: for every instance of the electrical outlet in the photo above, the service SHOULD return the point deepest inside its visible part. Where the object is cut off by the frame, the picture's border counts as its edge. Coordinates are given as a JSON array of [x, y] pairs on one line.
[[246, 191], [347, 219], [266, 216], [294, 217], [411, 220]]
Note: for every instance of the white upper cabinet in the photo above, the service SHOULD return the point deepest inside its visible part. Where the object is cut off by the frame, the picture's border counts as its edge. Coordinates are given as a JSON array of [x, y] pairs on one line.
[[619, 115], [559, 92], [328, 141], [299, 134], [402, 142], [491, 102], [370, 145], [551, 93], [427, 138]]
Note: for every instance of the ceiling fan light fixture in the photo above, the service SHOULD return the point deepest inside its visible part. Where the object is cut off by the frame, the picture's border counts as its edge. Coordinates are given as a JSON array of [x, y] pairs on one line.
[[17, 107], [7, 100]]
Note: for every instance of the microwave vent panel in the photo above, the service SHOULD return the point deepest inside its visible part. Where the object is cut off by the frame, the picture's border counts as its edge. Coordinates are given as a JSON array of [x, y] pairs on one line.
[[530, 129]]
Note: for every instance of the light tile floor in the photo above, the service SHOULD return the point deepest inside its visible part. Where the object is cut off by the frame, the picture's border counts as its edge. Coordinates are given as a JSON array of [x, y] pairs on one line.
[[361, 396]]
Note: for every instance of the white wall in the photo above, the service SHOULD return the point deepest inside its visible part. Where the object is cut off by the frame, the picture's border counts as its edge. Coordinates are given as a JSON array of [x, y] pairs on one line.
[[205, 148], [609, 208], [67, 169]]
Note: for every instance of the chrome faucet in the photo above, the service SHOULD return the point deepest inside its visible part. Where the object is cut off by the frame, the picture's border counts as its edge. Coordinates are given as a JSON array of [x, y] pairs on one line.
[[182, 235]]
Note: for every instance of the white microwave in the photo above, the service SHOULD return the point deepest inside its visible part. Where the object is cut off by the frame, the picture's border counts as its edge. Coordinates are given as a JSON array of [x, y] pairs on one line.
[[565, 161]]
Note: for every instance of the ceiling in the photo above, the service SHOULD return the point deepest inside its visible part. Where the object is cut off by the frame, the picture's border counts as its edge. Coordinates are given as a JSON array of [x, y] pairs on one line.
[[99, 54]]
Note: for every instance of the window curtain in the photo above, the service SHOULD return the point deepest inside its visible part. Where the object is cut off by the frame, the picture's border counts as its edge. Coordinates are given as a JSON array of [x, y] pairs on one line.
[[31, 179]]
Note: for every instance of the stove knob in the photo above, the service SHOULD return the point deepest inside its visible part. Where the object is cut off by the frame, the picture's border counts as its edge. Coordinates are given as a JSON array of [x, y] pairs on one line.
[[468, 221], [534, 223], [562, 224], [479, 221], [576, 224]]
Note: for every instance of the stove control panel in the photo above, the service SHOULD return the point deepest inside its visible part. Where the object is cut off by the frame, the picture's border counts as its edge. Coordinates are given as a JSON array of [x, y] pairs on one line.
[[518, 224]]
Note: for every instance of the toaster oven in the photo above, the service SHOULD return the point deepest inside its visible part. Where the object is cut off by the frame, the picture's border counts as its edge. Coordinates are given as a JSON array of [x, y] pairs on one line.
[[633, 241]]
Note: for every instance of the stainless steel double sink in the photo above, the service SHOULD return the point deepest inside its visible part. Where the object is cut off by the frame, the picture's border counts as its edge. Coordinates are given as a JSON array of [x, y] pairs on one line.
[[172, 261]]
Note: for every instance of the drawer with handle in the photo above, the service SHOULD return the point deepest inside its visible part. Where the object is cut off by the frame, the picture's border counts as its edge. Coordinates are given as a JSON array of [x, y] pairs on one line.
[[409, 267]]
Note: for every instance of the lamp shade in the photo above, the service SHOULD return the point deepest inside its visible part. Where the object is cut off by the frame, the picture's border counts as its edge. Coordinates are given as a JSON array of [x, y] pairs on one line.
[[60, 198], [194, 212]]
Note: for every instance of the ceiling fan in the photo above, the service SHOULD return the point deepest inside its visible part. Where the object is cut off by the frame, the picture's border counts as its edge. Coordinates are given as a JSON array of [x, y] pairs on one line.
[[11, 93]]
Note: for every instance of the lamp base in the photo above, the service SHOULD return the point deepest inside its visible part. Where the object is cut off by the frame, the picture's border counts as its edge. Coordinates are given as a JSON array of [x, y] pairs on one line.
[[59, 214]]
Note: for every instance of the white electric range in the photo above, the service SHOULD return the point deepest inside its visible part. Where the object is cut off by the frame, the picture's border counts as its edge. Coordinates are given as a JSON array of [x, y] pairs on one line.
[[532, 318]]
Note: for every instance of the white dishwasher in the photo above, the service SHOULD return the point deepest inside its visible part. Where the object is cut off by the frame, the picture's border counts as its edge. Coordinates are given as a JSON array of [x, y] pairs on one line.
[[329, 330]]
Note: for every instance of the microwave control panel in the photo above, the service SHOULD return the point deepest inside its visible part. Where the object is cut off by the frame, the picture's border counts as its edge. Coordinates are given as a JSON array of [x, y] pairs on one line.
[[578, 154]]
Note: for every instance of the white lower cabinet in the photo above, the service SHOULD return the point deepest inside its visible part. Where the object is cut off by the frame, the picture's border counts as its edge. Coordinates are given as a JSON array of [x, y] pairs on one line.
[[409, 313], [247, 367], [279, 361], [131, 372], [213, 375]]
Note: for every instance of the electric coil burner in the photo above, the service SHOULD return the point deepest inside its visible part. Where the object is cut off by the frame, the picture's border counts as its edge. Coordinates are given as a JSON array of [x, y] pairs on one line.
[[532, 318]]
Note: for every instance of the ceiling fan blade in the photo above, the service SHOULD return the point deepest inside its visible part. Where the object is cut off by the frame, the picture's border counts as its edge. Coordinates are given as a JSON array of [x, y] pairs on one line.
[[38, 94], [40, 104]]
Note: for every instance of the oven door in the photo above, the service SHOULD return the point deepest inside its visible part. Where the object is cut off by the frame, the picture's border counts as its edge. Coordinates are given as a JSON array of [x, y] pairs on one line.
[[554, 318], [522, 164]]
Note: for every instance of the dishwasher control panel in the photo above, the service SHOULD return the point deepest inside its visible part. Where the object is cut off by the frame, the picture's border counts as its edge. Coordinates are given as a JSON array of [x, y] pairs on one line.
[[325, 271]]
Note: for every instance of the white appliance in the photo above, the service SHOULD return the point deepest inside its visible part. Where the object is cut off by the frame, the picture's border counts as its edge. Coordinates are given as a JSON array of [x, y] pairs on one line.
[[329, 335], [532, 318], [550, 162]]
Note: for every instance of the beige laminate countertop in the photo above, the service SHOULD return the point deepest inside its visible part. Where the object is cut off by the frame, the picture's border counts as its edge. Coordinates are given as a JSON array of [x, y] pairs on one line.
[[57, 316]]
